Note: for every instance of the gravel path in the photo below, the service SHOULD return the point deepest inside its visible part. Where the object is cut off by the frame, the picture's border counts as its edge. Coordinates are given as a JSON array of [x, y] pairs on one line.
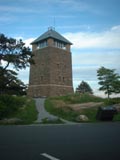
[[42, 113]]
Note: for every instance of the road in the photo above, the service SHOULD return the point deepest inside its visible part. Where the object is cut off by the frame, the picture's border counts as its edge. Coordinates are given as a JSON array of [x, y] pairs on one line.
[[98, 141]]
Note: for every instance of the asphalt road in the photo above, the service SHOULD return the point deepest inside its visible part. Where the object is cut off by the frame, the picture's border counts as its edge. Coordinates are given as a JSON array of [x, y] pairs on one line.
[[61, 142]]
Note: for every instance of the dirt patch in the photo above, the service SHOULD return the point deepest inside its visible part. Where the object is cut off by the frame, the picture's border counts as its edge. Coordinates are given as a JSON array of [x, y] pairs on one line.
[[78, 107], [59, 103]]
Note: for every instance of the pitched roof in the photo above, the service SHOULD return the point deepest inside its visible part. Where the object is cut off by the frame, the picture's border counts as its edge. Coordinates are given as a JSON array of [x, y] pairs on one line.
[[51, 34]]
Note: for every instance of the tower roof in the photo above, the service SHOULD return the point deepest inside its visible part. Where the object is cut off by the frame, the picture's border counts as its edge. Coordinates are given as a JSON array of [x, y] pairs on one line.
[[51, 34]]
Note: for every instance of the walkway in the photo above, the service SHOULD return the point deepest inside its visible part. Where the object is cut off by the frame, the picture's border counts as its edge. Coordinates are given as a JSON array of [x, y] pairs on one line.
[[42, 113]]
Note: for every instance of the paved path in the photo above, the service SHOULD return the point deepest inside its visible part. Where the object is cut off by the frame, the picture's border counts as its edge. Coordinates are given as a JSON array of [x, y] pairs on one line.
[[44, 114]]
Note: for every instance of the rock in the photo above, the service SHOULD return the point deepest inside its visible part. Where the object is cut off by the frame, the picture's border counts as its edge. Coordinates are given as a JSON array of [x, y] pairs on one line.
[[83, 118]]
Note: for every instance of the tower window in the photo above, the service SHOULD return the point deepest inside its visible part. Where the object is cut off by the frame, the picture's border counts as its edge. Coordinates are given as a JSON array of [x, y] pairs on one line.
[[42, 44], [59, 44]]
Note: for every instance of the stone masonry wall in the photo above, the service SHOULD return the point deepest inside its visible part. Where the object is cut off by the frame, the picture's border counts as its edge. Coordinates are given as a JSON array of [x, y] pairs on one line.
[[52, 73]]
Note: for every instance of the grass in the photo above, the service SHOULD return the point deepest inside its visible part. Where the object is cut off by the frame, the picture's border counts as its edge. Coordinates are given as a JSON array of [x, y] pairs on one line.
[[116, 117], [90, 113], [59, 106], [79, 98], [65, 113], [10, 104], [47, 121], [112, 101], [23, 108], [26, 112]]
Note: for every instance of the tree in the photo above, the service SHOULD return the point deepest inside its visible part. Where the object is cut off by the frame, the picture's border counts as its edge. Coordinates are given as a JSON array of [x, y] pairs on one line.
[[84, 88], [10, 84], [109, 80], [12, 53]]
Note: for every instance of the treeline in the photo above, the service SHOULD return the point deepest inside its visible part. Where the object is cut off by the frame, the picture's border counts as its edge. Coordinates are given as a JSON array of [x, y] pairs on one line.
[[109, 82]]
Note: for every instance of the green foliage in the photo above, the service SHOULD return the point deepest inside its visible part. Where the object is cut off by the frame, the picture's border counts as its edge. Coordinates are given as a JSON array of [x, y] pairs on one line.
[[9, 105], [112, 101], [116, 85], [60, 112], [28, 114], [67, 113], [18, 107], [109, 80], [13, 53], [84, 88], [79, 98], [90, 113], [10, 84], [116, 117]]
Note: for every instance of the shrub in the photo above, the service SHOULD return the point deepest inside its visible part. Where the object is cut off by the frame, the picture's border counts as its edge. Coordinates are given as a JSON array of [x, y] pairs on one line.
[[10, 104], [112, 101]]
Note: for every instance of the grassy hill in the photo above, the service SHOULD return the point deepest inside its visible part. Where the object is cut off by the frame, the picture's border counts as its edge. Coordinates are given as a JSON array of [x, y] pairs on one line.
[[70, 107], [22, 110]]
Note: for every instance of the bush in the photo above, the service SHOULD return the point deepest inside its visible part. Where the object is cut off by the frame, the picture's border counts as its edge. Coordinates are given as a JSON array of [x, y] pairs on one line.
[[10, 104], [112, 101]]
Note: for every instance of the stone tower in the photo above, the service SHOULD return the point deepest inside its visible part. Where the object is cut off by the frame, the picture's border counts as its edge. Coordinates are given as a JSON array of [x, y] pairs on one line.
[[52, 73]]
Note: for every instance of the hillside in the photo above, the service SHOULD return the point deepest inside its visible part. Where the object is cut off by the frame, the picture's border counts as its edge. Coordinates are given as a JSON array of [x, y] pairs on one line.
[[70, 107]]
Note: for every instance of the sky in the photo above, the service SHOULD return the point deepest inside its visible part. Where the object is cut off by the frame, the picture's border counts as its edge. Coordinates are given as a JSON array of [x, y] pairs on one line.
[[93, 26]]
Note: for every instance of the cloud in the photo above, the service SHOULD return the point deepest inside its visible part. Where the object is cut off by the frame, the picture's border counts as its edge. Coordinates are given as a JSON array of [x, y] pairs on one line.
[[86, 64], [75, 4], [86, 73], [79, 6], [67, 5], [19, 9], [80, 27], [28, 42], [5, 18], [96, 58], [109, 39], [24, 75], [105, 39]]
